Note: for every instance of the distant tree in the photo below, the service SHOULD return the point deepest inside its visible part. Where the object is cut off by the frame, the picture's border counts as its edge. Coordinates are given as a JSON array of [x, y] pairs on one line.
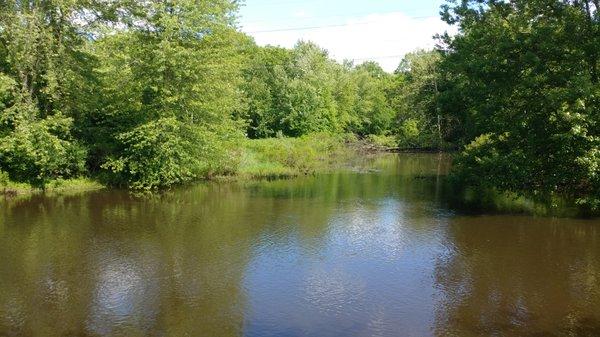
[[418, 86], [373, 112], [295, 92]]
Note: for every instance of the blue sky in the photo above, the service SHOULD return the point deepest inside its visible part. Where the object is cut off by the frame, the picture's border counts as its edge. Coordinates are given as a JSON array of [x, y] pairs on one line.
[[379, 30]]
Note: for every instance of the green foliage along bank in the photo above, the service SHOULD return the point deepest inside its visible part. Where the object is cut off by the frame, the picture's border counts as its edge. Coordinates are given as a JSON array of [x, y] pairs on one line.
[[521, 84], [146, 95], [285, 157], [269, 158], [150, 94]]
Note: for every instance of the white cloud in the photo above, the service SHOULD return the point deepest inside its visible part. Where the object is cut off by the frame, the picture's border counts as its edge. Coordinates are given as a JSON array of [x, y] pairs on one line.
[[300, 14], [375, 37]]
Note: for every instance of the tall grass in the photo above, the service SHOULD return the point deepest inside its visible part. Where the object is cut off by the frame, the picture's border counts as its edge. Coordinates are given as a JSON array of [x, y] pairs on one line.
[[288, 157], [8, 187]]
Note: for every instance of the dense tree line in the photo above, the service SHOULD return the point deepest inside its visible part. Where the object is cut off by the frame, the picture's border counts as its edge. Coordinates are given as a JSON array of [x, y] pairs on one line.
[[299, 91], [520, 88], [148, 94]]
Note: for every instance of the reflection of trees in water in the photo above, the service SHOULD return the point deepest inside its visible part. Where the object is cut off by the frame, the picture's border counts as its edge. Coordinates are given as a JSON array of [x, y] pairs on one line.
[[516, 276], [39, 256], [106, 263], [109, 264]]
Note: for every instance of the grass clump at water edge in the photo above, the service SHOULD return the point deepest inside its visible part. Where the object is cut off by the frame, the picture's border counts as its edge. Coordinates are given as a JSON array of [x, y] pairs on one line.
[[11, 188], [282, 157]]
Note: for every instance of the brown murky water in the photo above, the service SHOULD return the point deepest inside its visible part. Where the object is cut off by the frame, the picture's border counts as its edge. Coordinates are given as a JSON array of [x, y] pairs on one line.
[[374, 253]]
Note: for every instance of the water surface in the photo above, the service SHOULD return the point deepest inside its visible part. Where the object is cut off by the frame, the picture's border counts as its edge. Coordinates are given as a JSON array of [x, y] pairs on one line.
[[376, 252]]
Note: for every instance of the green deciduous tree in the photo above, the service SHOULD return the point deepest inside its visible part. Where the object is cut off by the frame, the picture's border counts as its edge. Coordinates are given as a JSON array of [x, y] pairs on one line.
[[372, 112], [420, 120], [175, 81], [294, 92], [300, 91], [43, 72], [523, 81]]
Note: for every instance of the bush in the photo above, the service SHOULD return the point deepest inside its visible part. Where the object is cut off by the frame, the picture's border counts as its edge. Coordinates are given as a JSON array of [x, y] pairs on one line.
[[385, 142], [156, 154], [167, 152], [418, 134], [39, 151], [3, 179]]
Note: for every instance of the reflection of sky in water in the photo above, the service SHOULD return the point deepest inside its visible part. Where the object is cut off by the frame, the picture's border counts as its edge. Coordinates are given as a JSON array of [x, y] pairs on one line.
[[124, 298], [374, 276], [11, 312]]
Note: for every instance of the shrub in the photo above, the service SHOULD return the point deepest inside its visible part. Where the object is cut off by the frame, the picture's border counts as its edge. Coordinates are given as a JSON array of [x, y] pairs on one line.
[[39, 151], [3, 179], [156, 154], [414, 134], [385, 142], [281, 157], [167, 152]]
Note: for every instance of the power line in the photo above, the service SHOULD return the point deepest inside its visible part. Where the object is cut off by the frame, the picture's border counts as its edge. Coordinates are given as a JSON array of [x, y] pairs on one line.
[[279, 3], [353, 15], [275, 3], [262, 4], [307, 28], [326, 26], [377, 57]]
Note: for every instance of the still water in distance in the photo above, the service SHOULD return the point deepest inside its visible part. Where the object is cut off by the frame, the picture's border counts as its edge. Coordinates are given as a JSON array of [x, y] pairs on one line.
[[375, 252]]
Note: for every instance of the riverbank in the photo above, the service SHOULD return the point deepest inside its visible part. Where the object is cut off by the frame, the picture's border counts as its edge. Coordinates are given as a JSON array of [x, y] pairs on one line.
[[290, 157], [272, 158], [11, 188]]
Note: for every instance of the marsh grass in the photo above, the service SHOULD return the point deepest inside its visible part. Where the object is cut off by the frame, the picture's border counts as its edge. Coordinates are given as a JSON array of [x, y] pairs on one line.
[[276, 158], [82, 184]]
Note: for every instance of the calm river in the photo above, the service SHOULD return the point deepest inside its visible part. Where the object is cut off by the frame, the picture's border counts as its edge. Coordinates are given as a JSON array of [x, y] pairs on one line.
[[381, 251]]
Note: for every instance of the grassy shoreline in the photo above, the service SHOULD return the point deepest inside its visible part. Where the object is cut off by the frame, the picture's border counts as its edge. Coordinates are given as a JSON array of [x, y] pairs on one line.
[[271, 158], [290, 157], [10, 188]]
